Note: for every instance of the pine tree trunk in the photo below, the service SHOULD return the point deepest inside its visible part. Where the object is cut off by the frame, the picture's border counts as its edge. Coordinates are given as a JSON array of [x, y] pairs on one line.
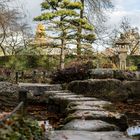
[[62, 54], [80, 32]]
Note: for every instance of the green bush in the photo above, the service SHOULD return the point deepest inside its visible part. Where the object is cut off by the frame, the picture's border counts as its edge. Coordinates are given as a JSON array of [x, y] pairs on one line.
[[25, 62], [132, 68], [16, 63], [18, 128]]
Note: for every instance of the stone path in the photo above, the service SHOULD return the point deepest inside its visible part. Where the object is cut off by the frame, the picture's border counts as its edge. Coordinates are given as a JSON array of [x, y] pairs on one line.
[[85, 117]]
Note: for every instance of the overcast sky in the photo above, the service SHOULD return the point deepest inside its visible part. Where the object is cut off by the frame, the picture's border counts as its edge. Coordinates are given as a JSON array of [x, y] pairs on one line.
[[126, 8], [123, 8]]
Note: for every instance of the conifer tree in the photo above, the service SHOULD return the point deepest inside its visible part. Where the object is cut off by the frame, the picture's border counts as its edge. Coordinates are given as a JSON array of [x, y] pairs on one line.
[[63, 19]]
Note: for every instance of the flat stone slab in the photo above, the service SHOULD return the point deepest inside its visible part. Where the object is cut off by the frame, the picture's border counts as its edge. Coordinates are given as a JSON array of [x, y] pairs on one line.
[[72, 98], [81, 99], [38, 89], [38, 85], [94, 103], [56, 91], [89, 125], [85, 135], [48, 94], [68, 100], [71, 109], [67, 96], [84, 107], [92, 115]]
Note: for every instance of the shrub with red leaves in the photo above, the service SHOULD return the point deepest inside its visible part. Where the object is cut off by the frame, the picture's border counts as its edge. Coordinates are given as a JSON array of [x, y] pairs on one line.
[[75, 71]]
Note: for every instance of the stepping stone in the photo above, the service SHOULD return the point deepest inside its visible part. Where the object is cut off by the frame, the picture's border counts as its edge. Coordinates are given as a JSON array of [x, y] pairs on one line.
[[94, 103], [83, 99], [89, 125], [69, 99], [88, 115], [38, 89], [56, 91], [59, 93], [83, 107], [68, 96], [85, 135]]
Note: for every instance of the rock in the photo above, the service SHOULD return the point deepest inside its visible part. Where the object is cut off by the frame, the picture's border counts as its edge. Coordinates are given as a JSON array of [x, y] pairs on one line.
[[113, 74], [92, 103], [110, 89], [67, 96], [81, 99], [59, 92], [85, 135], [83, 107], [8, 89], [8, 94], [89, 125], [38, 89], [119, 120], [45, 97], [101, 73], [87, 105], [88, 115], [133, 89], [124, 75], [68, 99]]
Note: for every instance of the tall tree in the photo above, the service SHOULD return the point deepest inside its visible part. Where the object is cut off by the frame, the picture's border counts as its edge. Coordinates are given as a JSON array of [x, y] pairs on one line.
[[63, 18], [94, 9], [13, 29]]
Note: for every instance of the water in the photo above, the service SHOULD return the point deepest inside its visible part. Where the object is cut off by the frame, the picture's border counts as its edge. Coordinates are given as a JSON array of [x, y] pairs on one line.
[[133, 131], [47, 126]]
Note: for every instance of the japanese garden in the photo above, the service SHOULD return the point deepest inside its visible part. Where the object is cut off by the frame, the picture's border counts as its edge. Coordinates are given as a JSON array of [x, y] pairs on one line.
[[69, 70]]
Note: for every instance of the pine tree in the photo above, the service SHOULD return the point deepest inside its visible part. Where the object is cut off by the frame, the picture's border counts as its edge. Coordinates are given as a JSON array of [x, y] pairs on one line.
[[63, 19]]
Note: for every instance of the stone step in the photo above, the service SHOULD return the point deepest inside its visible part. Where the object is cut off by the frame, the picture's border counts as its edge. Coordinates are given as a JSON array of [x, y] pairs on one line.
[[111, 117], [67, 96], [88, 115], [39, 89], [84, 99], [86, 135], [89, 125], [74, 99], [56, 93], [71, 109], [68, 99], [92, 103]]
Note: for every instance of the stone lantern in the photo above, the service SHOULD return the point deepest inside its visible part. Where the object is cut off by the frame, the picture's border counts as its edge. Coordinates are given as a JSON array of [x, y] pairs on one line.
[[122, 45]]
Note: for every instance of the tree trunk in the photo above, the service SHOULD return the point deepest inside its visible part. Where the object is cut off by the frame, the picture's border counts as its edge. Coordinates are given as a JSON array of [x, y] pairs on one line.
[[80, 32], [3, 51], [62, 54]]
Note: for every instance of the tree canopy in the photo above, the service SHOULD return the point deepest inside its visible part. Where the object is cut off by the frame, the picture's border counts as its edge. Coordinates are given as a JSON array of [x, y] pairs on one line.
[[63, 18]]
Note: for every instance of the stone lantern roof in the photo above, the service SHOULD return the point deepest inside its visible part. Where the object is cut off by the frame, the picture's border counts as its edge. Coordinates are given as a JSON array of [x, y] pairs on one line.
[[122, 44]]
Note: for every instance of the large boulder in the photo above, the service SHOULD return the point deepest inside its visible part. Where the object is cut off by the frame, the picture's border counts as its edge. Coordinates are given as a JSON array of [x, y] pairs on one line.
[[101, 73], [125, 75], [89, 125], [114, 74], [8, 94], [110, 89], [133, 89], [7, 88], [86, 135]]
